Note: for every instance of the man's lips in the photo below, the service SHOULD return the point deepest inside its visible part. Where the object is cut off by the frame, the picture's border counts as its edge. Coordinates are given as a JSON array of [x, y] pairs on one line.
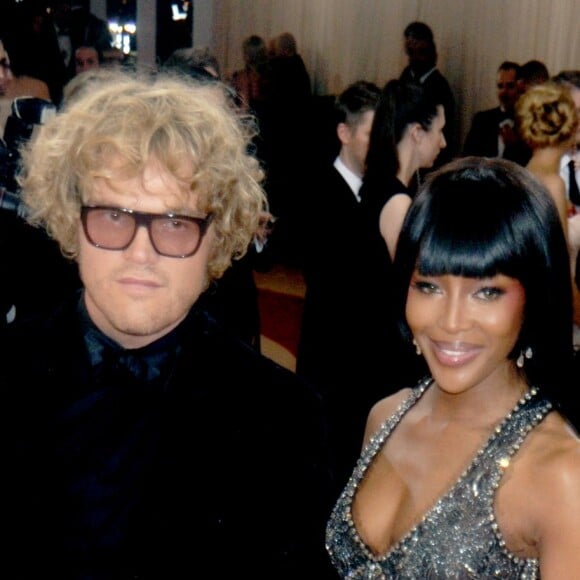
[[131, 281]]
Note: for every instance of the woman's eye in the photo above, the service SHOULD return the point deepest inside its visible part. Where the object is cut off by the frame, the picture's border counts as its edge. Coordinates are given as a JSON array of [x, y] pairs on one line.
[[489, 293], [425, 287]]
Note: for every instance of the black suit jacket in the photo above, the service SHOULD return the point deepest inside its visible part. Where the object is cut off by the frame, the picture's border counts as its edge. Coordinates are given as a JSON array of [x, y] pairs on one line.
[[482, 138], [332, 351], [218, 471], [331, 245]]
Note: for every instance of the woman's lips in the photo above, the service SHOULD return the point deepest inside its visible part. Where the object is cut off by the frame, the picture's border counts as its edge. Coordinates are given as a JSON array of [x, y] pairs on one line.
[[454, 354]]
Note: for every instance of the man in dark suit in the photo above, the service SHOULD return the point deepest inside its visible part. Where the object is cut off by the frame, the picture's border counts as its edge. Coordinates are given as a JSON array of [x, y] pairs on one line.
[[328, 353], [491, 130]]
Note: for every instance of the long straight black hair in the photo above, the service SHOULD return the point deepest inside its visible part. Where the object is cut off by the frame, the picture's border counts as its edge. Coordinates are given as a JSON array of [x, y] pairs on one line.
[[479, 217]]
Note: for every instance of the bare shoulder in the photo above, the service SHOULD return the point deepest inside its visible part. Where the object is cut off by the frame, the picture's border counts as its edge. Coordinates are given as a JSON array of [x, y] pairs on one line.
[[382, 410], [555, 451], [548, 476], [553, 476], [391, 219], [397, 203], [556, 186], [554, 181]]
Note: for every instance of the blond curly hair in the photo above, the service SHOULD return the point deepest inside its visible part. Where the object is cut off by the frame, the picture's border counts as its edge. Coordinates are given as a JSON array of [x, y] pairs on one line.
[[546, 116], [131, 118]]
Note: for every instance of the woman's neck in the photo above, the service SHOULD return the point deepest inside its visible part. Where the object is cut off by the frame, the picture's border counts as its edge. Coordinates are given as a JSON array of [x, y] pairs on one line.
[[406, 168], [546, 159], [407, 162]]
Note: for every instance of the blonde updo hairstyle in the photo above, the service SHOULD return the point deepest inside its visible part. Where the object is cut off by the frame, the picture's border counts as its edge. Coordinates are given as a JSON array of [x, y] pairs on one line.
[[546, 116]]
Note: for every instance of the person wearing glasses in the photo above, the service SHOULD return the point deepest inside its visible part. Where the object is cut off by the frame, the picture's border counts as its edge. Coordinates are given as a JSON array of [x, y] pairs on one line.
[[143, 440]]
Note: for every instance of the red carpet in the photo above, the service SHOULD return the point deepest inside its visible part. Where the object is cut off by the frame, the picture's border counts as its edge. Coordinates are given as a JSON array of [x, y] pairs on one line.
[[280, 317]]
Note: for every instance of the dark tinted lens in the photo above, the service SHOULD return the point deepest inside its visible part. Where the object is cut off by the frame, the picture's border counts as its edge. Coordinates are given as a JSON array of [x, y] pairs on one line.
[[175, 236]]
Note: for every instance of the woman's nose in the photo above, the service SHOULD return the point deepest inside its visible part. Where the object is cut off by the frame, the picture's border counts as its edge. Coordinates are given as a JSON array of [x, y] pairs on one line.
[[455, 314]]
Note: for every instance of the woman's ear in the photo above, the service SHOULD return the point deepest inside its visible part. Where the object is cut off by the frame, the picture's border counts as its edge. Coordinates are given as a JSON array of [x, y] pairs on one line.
[[416, 132]]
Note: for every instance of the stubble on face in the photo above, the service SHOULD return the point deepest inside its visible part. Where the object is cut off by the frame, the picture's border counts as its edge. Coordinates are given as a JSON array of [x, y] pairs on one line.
[[135, 295]]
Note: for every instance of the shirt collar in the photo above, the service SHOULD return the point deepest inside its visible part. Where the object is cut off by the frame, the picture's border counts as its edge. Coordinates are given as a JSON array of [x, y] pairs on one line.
[[147, 363], [423, 78], [351, 178]]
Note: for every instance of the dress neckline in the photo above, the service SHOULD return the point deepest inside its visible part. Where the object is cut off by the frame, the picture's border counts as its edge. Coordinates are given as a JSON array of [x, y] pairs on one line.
[[377, 441]]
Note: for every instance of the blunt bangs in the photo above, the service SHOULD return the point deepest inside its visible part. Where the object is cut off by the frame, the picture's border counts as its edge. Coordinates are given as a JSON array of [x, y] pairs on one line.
[[475, 229], [472, 246]]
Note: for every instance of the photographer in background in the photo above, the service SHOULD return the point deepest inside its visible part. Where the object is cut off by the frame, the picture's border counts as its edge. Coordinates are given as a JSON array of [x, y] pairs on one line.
[[34, 272]]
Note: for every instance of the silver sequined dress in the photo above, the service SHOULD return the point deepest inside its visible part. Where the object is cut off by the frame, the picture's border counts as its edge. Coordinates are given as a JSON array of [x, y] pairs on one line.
[[458, 538]]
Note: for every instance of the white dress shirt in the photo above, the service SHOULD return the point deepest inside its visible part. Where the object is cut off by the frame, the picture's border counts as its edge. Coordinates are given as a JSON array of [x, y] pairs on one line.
[[353, 180]]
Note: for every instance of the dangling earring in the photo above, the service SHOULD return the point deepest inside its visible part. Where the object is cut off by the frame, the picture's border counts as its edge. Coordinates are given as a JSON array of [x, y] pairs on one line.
[[417, 348], [524, 354]]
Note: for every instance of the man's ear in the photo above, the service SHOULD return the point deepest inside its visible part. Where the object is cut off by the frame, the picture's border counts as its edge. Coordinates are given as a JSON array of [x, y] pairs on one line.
[[343, 132]]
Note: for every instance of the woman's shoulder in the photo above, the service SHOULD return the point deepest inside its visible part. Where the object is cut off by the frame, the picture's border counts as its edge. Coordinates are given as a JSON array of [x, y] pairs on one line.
[[550, 483], [554, 182], [555, 449], [549, 467], [383, 409]]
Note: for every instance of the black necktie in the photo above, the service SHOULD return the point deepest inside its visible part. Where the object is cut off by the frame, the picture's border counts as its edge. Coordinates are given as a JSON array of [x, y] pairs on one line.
[[573, 192]]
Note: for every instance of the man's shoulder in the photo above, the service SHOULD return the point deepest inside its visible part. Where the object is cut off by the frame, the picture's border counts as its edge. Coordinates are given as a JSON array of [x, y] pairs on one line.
[[406, 75], [335, 179], [237, 376], [325, 184], [41, 346], [439, 82], [227, 354], [486, 120], [487, 113], [43, 326]]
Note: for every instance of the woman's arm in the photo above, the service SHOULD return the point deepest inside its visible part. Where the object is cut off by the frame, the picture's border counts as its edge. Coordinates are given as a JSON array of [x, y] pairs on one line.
[[559, 537], [391, 220]]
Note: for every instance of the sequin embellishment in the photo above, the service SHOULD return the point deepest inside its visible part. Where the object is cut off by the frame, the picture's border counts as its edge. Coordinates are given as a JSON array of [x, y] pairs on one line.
[[459, 537]]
